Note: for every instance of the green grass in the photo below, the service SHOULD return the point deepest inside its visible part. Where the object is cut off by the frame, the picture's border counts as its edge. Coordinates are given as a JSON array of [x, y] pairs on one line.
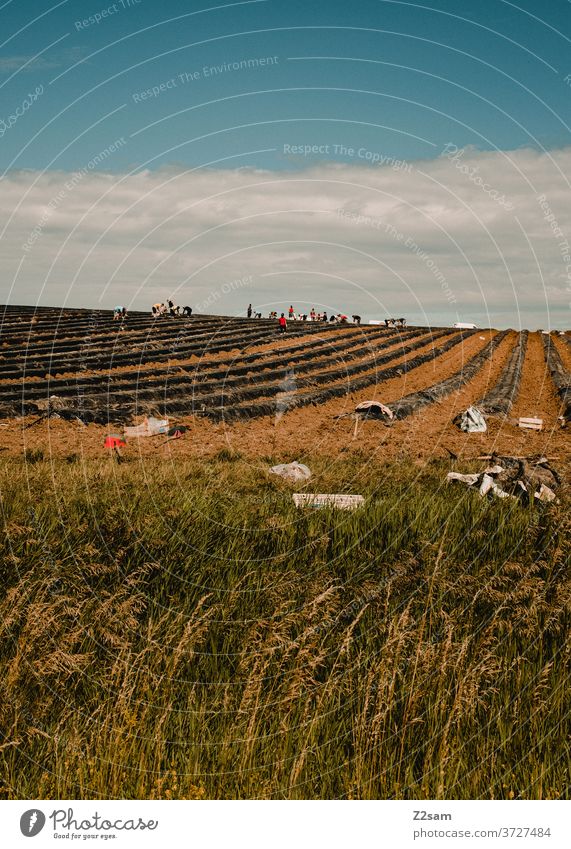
[[182, 631]]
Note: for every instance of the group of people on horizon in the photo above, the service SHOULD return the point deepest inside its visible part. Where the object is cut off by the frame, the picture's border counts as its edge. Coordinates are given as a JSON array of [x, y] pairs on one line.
[[299, 316], [170, 308], [251, 312]]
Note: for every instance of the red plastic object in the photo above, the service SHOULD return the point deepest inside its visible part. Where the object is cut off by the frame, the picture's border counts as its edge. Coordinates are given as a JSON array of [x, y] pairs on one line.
[[114, 442]]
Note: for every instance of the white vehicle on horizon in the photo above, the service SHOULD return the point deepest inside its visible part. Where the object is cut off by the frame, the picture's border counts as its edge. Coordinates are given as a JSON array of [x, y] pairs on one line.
[[465, 325]]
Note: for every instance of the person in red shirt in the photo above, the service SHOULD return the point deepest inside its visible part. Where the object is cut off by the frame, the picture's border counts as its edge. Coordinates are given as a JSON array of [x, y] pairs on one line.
[[291, 312], [283, 323]]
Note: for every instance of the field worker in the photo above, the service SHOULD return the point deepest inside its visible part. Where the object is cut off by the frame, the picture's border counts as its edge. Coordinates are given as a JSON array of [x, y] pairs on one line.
[[324, 316], [283, 323], [312, 314], [249, 311], [291, 312], [117, 313]]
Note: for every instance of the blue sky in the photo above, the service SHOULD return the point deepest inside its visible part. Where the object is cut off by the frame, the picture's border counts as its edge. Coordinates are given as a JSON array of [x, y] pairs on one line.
[[403, 79], [326, 89]]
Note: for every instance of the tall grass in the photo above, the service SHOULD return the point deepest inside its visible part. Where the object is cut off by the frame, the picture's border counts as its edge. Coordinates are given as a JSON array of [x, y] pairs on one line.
[[182, 631]]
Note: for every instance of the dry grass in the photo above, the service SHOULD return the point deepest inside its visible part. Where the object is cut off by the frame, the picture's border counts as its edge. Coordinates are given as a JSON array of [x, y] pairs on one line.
[[182, 632]]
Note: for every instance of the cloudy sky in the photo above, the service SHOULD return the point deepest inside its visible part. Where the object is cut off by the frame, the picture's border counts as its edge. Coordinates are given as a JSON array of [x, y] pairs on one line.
[[384, 158]]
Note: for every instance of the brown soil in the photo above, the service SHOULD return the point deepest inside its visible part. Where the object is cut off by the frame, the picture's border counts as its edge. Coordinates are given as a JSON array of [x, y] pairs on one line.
[[536, 398], [312, 430]]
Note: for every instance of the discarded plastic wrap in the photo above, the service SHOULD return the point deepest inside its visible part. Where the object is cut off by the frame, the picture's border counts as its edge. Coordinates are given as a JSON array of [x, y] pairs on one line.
[[545, 494], [470, 480], [292, 471], [494, 470], [341, 501], [374, 409], [488, 484], [176, 431], [513, 477], [471, 421], [149, 427]]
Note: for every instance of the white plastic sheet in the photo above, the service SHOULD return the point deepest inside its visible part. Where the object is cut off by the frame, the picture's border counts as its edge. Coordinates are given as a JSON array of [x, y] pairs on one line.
[[322, 499], [472, 421], [470, 480], [292, 471], [149, 427]]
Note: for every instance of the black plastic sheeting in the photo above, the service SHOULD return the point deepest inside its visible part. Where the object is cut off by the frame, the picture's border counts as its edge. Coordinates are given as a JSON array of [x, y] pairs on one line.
[[208, 370], [215, 399], [269, 407], [559, 374], [104, 343], [88, 356], [224, 388], [500, 398], [225, 396], [417, 400]]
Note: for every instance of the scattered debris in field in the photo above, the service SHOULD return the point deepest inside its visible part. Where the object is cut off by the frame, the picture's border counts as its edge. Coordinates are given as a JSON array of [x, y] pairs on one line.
[[471, 421], [369, 410], [545, 494], [531, 423], [54, 402], [114, 440], [148, 427], [513, 477], [537, 460], [470, 480], [176, 431], [374, 410], [493, 470], [292, 471], [341, 501], [488, 484]]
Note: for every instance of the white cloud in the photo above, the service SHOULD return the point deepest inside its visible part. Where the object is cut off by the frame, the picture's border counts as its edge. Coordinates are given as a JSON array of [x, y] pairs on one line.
[[433, 244], [33, 62]]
